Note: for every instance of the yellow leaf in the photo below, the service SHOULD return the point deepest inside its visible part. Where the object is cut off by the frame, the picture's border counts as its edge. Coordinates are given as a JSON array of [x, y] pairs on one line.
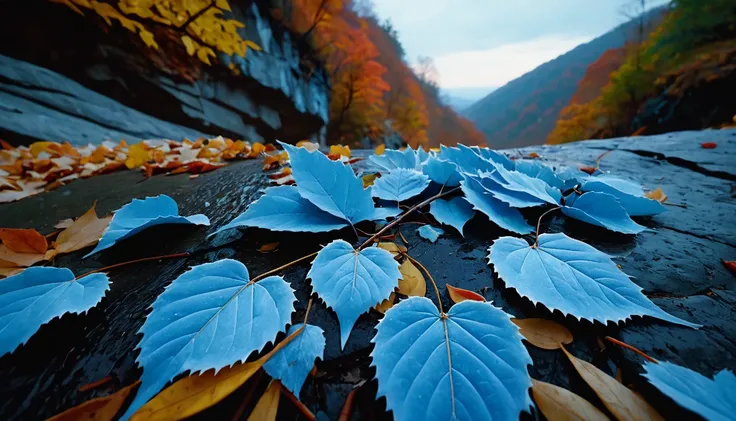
[[380, 149], [252, 45], [98, 409], [223, 4], [268, 404], [542, 333], [412, 282], [386, 304], [137, 155], [147, 38], [622, 402], [84, 232], [189, 44], [392, 248], [657, 195], [69, 4], [558, 404], [340, 150], [310, 146], [458, 295], [257, 149], [368, 180], [204, 54], [38, 147]]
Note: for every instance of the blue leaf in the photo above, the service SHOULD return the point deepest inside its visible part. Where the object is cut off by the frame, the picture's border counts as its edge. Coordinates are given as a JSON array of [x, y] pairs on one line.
[[601, 209], [393, 159], [714, 400], [455, 212], [330, 185], [210, 317], [141, 214], [469, 364], [498, 212], [520, 182], [536, 169], [442, 172], [399, 185], [351, 281], [381, 214], [630, 196], [466, 160], [422, 156], [281, 208], [491, 155], [293, 363], [515, 199], [430, 233], [570, 276], [38, 295], [571, 177]]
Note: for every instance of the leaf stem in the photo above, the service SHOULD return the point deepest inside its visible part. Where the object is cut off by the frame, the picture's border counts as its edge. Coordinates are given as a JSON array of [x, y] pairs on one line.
[[282, 267], [539, 222], [403, 215], [347, 409], [145, 259], [631, 348], [598, 160], [429, 275], [300, 406]]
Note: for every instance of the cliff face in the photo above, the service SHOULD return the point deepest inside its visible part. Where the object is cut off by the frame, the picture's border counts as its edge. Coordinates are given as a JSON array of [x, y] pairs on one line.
[[65, 77]]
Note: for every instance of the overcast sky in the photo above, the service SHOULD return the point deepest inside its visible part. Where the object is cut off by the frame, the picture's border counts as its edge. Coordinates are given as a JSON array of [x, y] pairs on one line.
[[486, 43]]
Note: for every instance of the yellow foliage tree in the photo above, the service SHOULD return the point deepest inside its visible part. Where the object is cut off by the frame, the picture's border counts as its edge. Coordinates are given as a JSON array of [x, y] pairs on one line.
[[203, 28]]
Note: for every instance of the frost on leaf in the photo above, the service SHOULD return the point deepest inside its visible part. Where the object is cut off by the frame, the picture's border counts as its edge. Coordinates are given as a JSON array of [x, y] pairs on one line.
[[210, 317], [399, 185], [38, 295], [631, 196], [393, 159], [498, 212], [141, 214], [714, 400], [455, 212], [435, 367], [570, 276], [351, 281], [283, 209], [292, 364], [601, 209]]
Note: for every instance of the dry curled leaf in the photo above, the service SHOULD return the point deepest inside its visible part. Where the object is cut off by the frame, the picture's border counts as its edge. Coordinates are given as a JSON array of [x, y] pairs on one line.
[[23, 240], [542, 333], [458, 295], [623, 403], [657, 195], [558, 404], [268, 404], [11, 259], [84, 232], [98, 409], [412, 281]]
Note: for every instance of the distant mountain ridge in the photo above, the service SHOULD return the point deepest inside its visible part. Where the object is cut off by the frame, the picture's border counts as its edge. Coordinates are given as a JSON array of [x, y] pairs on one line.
[[524, 111]]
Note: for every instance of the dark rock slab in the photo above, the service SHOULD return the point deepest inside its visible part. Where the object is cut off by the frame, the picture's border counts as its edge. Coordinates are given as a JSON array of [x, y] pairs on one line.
[[677, 264]]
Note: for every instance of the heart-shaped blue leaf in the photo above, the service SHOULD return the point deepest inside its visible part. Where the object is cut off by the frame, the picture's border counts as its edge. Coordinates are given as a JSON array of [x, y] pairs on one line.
[[498, 212], [455, 212], [536, 169], [515, 199], [351, 281], [442, 172], [38, 295], [520, 182], [468, 364], [601, 209], [282, 208], [293, 363], [570, 276], [466, 160], [330, 185], [630, 196], [399, 185], [210, 317], [714, 400], [393, 159], [430, 233], [141, 214]]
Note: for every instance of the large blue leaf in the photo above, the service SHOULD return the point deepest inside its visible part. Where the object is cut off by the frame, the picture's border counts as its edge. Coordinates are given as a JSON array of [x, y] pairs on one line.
[[601, 209], [515, 199], [351, 281], [466, 159], [39, 294], [442, 172], [498, 212], [520, 182], [491, 155], [330, 185], [141, 214], [430, 233], [393, 159], [293, 363], [400, 184], [536, 169], [210, 317], [282, 208], [455, 212], [630, 195], [467, 365], [571, 176], [570, 276], [714, 400]]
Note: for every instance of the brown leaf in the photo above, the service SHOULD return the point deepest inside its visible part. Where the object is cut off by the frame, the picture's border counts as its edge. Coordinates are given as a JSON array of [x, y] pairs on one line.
[[268, 405], [23, 240], [621, 401], [542, 333], [657, 195], [268, 248], [98, 409], [11, 259], [392, 248], [412, 282], [730, 265], [458, 295], [589, 170], [558, 404], [708, 145], [84, 232], [8, 272]]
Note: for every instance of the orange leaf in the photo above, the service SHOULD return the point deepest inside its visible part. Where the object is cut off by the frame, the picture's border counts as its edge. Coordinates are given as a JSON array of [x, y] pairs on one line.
[[708, 145], [257, 149], [11, 259], [98, 409], [5, 145], [657, 195], [730, 265], [84, 232], [137, 155], [268, 248], [542, 333], [458, 294], [380, 149], [37, 147], [340, 150], [23, 240], [8, 272], [589, 170]]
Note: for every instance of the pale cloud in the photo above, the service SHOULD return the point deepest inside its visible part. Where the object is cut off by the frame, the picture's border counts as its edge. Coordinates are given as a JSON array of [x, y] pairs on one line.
[[498, 65]]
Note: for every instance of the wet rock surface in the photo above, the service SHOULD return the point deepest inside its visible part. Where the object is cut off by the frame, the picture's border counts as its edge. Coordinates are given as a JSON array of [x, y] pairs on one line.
[[677, 263]]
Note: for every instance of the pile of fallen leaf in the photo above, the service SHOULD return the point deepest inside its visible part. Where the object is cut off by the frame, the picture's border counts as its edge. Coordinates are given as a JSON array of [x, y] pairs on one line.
[[275, 159], [44, 166]]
